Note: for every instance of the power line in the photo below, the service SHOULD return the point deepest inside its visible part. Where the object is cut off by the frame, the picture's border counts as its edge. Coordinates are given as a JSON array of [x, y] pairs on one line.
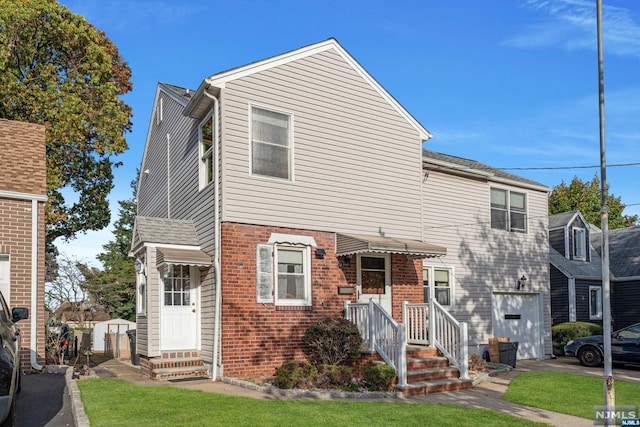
[[570, 167]]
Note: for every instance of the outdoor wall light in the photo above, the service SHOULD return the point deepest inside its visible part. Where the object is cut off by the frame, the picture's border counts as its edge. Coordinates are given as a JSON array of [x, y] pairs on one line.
[[521, 282], [346, 261], [139, 266], [320, 253]]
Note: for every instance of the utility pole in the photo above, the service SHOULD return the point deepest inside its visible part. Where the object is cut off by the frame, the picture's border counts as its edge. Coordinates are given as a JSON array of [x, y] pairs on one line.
[[609, 390]]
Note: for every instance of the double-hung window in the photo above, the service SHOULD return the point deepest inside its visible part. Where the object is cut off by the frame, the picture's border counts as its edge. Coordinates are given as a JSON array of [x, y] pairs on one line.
[[579, 244], [508, 210], [271, 144], [284, 274], [205, 132], [595, 302], [437, 282]]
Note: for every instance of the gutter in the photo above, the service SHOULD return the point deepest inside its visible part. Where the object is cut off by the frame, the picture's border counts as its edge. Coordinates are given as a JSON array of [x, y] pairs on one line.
[[216, 220]]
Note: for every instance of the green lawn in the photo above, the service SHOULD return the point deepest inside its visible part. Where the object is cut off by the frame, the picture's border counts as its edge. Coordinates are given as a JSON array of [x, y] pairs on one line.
[[567, 393], [118, 403]]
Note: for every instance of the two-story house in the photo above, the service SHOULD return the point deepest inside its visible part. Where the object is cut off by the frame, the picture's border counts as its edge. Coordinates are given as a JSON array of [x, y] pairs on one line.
[[281, 190], [576, 271], [23, 193]]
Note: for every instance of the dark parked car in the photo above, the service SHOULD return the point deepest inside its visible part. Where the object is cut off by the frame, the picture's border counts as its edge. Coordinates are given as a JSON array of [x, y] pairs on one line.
[[9, 361], [625, 347]]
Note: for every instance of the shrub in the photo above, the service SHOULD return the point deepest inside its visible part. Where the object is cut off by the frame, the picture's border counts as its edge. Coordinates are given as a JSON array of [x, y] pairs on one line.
[[378, 377], [337, 377], [565, 332], [332, 341], [295, 374]]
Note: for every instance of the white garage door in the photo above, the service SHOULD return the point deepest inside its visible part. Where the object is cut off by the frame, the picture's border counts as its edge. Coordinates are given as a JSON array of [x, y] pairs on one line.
[[517, 316]]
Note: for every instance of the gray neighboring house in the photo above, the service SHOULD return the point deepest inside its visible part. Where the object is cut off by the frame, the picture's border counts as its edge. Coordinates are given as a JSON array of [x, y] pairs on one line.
[[576, 271]]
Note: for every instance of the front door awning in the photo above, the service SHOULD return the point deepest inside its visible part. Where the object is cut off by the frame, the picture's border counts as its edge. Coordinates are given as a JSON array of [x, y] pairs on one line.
[[351, 244], [183, 257]]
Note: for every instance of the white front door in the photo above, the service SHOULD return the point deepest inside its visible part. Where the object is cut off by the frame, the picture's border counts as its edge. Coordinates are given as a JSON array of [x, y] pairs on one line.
[[374, 279], [180, 306], [517, 316]]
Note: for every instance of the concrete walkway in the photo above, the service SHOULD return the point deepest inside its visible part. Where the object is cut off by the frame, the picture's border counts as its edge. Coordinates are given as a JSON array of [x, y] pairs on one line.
[[488, 394]]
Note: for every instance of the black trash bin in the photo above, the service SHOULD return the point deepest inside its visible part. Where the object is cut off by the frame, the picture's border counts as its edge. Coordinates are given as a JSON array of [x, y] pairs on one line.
[[508, 352], [135, 357]]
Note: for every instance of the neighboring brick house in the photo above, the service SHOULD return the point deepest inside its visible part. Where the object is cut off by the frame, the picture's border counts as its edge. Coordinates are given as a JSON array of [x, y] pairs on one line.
[[23, 193], [278, 191]]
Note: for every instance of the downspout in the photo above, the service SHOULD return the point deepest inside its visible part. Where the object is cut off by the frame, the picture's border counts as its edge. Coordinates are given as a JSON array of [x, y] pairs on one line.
[[217, 227], [33, 353], [168, 176]]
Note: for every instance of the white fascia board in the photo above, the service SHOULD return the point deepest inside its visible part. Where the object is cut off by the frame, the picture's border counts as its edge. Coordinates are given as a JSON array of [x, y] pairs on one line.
[[452, 167], [219, 80], [521, 184]]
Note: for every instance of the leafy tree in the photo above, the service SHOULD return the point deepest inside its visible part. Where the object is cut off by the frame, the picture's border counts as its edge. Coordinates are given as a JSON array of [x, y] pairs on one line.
[[114, 287], [58, 70], [587, 197], [68, 291]]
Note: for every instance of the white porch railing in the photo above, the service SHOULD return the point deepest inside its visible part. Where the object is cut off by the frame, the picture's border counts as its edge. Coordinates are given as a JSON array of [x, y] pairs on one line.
[[382, 334], [440, 330]]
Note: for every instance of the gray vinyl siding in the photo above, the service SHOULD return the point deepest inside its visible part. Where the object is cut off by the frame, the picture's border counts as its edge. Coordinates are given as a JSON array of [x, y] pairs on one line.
[[559, 296], [582, 300], [556, 240], [357, 162], [457, 216], [625, 303]]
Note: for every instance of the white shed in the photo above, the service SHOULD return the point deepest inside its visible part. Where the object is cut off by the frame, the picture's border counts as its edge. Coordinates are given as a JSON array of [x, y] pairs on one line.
[[112, 326]]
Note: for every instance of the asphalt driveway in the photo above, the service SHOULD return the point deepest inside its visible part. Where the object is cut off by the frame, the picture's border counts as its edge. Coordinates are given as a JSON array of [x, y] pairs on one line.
[[44, 401]]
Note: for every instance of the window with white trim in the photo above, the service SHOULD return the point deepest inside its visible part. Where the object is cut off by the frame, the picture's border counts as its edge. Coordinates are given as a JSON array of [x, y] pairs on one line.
[[177, 285], [437, 282], [508, 210], [207, 161], [595, 302], [271, 143], [289, 283], [579, 244]]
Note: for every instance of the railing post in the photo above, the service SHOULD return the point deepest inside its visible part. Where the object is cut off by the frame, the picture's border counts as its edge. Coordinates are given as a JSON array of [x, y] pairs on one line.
[[401, 363], [372, 334], [347, 314], [432, 324], [464, 352]]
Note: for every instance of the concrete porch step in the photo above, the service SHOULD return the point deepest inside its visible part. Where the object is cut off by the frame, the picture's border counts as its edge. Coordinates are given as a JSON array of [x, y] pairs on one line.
[[435, 386], [160, 374]]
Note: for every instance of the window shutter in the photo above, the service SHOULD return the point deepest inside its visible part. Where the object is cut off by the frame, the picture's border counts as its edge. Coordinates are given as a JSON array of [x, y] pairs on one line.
[[264, 274]]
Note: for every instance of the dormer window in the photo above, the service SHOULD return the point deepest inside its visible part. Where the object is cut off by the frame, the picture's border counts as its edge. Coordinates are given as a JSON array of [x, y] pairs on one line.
[[579, 244]]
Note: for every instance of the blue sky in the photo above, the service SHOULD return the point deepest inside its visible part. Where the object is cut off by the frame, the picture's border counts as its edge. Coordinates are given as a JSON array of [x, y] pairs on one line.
[[510, 83]]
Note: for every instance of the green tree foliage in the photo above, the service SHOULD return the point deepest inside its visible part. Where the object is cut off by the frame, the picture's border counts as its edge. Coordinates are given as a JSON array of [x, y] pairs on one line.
[[114, 287], [587, 197], [58, 70]]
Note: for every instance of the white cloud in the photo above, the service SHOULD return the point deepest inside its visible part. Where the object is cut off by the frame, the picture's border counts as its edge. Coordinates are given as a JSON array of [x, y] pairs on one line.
[[571, 25]]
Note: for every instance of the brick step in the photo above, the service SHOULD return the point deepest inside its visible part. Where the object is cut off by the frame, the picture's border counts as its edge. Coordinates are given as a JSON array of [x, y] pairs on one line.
[[180, 373], [427, 363], [431, 374], [435, 386], [182, 362], [420, 351]]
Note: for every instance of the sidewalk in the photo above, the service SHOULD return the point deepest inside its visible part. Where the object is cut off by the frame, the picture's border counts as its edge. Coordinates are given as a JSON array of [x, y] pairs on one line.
[[488, 394]]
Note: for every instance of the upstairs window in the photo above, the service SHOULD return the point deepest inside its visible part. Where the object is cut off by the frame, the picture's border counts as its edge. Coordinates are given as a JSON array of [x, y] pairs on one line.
[[579, 244], [205, 133], [271, 144], [508, 210]]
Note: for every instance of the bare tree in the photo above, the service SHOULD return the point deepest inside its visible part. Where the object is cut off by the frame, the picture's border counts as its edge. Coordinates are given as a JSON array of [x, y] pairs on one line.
[[67, 293]]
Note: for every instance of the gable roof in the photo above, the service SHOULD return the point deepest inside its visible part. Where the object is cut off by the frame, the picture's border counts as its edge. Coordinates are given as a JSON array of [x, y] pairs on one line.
[[563, 219], [577, 269], [624, 252], [467, 167], [219, 80]]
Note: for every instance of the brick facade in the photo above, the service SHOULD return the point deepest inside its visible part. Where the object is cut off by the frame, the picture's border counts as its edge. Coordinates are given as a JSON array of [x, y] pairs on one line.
[[23, 172], [257, 338]]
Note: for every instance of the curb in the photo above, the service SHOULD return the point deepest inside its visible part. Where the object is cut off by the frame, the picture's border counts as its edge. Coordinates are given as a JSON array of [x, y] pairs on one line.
[[77, 408]]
